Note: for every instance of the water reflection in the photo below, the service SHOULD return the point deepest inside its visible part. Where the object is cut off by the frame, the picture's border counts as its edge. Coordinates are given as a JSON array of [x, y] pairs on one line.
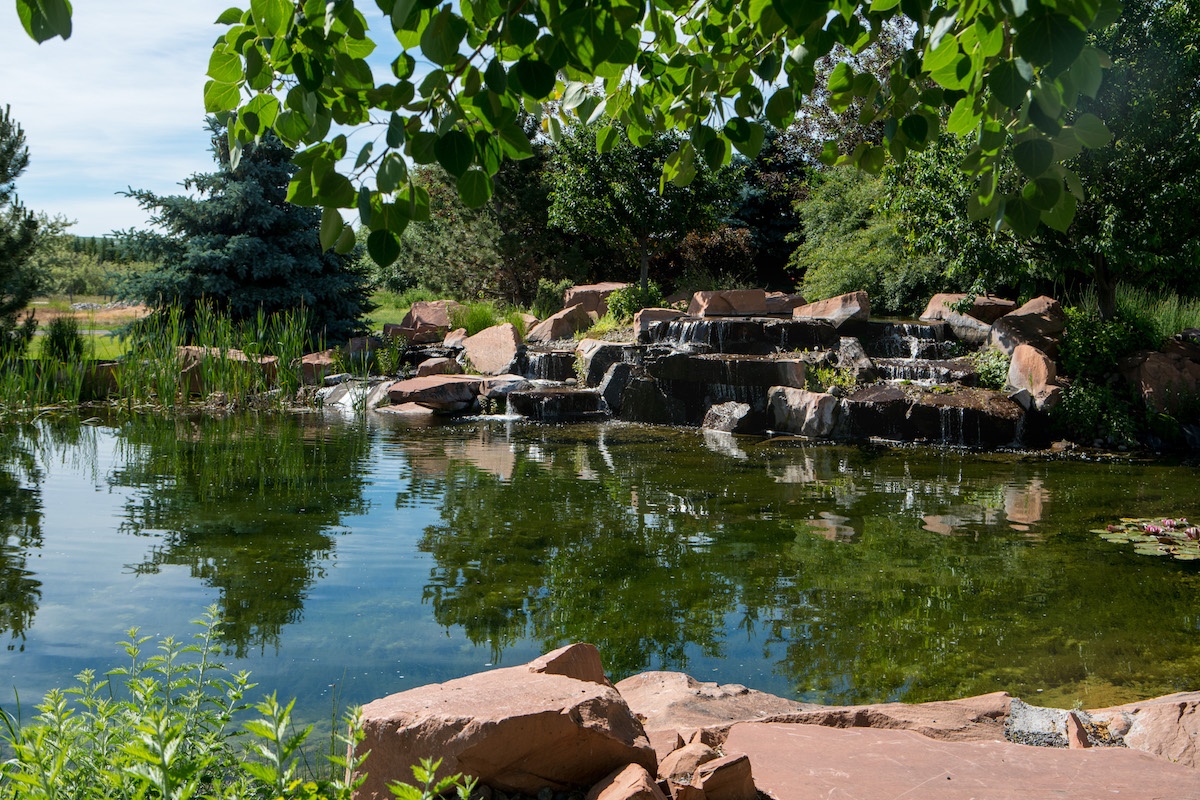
[[20, 532], [252, 506]]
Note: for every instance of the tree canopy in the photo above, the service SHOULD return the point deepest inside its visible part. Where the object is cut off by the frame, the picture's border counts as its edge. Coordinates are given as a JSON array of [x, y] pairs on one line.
[[243, 248], [18, 229], [1011, 72]]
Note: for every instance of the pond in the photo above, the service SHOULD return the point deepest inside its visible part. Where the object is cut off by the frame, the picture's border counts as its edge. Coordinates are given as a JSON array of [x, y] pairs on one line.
[[352, 559]]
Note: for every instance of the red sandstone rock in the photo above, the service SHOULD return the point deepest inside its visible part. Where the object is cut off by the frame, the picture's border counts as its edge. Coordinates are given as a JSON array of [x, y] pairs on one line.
[[440, 392], [1168, 727], [801, 411], [579, 661], [493, 350], [664, 742], [680, 764], [978, 718], [592, 296], [438, 366], [1039, 323], [985, 307], [837, 310], [780, 303], [799, 762], [455, 338], [1077, 738], [1034, 371], [706, 736], [726, 778], [731, 302], [1163, 379], [644, 319], [315, 366], [425, 322], [679, 701], [500, 385], [514, 729], [628, 783], [685, 791], [562, 325]]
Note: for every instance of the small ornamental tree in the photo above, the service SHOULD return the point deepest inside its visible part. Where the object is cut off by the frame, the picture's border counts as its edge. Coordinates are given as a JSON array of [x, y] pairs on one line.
[[18, 229], [604, 186], [240, 246]]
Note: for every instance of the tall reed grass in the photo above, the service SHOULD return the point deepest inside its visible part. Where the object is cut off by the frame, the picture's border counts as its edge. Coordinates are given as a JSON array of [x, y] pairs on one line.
[[1167, 313], [255, 362]]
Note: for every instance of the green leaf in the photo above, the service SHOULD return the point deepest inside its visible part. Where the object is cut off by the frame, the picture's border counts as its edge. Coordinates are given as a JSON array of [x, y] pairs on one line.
[[272, 17], [781, 108], [1043, 193], [963, 118], [841, 80], [872, 160], [1059, 218], [1033, 157], [475, 188], [384, 247], [1021, 217], [230, 16], [916, 128], [331, 227], [309, 71], [606, 139], [1086, 73], [442, 37], [335, 189], [423, 143], [1008, 85], [45, 19], [220, 97], [391, 173], [515, 143], [1091, 132], [346, 241], [534, 79], [401, 11], [224, 67], [495, 77], [1051, 39], [455, 152]]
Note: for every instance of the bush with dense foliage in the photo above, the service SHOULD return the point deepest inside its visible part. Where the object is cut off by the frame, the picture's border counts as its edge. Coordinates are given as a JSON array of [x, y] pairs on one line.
[[624, 303]]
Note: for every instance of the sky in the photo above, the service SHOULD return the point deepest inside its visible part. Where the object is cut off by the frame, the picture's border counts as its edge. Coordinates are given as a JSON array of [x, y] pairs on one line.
[[120, 104]]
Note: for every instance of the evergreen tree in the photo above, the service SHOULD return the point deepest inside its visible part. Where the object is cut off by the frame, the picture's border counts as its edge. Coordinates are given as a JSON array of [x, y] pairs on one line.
[[241, 246], [18, 281]]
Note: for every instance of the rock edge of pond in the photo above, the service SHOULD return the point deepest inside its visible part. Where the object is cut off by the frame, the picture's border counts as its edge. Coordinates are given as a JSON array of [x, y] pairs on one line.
[[557, 728]]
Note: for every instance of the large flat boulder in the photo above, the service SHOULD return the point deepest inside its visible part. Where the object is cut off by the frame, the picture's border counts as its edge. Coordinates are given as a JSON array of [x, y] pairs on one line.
[[966, 417], [676, 701], [494, 350], [563, 325], [729, 303], [800, 762], [1038, 323], [648, 318], [596, 356], [439, 392], [1165, 379], [592, 296], [984, 307], [855, 306], [547, 724], [1167, 727], [426, 322], [783, 304]]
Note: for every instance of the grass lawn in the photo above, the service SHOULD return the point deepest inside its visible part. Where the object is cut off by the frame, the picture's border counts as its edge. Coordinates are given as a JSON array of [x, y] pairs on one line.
[[99, 347]]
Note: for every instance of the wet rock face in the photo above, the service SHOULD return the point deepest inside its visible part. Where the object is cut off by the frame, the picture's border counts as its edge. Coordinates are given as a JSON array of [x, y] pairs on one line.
[[438, 392], [644, 401], [802, 412], [699, 382], [742, 335], [556, 405], [965, 417], [734, 417]]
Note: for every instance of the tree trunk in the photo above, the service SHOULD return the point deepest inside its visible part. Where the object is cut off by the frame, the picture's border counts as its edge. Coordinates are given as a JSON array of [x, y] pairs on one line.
[[1106, 287]]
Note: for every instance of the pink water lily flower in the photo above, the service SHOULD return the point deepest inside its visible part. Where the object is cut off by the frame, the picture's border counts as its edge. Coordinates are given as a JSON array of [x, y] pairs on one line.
[[1153, 529], [1192, 532]]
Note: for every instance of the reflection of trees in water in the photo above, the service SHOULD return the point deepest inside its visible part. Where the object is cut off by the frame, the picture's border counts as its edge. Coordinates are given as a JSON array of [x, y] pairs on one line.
[[20, 529], [250, 505], [652, 547]]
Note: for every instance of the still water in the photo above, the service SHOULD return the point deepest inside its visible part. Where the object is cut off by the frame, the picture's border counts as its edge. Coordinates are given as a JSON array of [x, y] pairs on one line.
[[354, 559]]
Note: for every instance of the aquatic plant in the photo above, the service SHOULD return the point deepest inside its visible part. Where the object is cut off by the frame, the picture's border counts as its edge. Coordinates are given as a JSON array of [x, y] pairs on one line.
[[1177, 538]]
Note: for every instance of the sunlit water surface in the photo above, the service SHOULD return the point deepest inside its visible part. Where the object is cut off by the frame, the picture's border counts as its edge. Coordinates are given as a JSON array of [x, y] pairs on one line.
[[350, 560]]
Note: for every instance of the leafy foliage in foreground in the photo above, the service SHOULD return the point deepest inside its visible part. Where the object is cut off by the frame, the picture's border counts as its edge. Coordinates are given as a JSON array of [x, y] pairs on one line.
[[165, 726]]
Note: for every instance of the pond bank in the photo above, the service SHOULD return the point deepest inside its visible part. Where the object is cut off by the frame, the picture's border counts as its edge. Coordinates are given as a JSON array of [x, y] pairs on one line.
[[558, 724]]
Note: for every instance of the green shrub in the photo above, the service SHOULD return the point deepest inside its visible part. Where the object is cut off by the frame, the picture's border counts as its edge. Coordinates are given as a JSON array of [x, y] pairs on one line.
[[549, 297], [624, 303], [1091, 347], [63, 340], [818, 378], [991, 366], [1090, 410]]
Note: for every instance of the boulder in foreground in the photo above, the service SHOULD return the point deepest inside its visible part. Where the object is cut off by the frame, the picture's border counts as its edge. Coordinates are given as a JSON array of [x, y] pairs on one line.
[[548, 723]]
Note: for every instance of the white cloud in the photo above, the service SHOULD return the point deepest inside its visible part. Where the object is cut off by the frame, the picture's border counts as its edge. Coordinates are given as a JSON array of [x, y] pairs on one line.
[[119, 104]]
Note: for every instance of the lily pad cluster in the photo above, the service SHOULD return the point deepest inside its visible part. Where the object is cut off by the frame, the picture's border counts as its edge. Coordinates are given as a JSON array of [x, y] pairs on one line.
[[1177, 538]]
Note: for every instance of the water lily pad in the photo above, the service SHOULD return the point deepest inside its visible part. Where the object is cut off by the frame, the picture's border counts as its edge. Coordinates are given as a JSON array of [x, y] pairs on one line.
[[1187, 556]]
